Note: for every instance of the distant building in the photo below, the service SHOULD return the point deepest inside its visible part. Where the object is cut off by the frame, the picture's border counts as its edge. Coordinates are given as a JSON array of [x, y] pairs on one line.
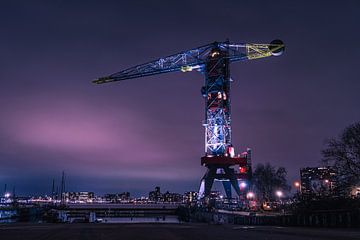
[[156, 195], [172, 197], [79, 197], [190, 197], [317, 182], [117, 197], [215, 195]]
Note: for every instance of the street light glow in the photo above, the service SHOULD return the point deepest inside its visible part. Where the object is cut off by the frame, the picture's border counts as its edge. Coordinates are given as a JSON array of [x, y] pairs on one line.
[[243, 184], [279, 193], [250, 195]]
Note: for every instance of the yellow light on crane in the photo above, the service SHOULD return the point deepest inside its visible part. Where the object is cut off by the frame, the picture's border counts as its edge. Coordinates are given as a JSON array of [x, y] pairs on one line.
[[215, 54]]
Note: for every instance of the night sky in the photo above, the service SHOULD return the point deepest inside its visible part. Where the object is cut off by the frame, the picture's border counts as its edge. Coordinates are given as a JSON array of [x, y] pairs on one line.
[[136, 134]]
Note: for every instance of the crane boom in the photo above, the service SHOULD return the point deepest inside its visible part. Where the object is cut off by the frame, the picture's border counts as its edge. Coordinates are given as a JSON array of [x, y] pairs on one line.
[[194, 59]]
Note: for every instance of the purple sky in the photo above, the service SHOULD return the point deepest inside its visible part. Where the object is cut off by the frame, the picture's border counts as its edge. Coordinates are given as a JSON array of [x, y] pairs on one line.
[[133, 135]]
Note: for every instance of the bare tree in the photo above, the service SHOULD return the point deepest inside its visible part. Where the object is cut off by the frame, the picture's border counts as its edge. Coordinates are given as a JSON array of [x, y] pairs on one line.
[[344, 154], [267, 179]]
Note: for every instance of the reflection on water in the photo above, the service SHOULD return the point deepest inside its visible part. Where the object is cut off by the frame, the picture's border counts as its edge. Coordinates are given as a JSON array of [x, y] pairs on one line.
[[8, 216], [158, 219], [12, 216]]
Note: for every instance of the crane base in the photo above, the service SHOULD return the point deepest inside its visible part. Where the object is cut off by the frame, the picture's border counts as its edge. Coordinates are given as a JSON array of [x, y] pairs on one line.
[[223, 160], [220, 168], [219, 172]]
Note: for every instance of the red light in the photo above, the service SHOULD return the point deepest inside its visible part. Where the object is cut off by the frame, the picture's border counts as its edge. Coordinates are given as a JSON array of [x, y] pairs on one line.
[[242, 169]]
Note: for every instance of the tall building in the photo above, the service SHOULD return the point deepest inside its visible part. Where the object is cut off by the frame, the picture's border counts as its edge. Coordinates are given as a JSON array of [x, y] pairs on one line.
[[317, 181], [156, 195]]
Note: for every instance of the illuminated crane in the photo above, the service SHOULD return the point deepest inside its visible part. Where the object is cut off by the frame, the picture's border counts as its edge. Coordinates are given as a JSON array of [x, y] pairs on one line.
[[213, 61]]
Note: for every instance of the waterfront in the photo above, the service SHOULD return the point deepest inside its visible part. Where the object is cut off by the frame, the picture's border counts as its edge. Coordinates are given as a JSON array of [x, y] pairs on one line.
[[91, 213], [8, 215], [168, 231]]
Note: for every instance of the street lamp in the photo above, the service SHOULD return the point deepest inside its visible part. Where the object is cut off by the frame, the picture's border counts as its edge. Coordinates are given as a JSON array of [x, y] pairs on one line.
[[243, 185], [297, 185], [279, 193], [250, 195], [7, 195], [328, 184]]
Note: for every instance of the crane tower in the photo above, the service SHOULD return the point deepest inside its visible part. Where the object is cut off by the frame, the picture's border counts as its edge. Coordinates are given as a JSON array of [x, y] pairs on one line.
[[213, 60]]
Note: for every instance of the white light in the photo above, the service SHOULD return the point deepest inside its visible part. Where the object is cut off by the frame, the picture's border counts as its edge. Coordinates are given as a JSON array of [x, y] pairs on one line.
[[279, 193], [250, 195], [243, 184], [190, 68], [7, 195]]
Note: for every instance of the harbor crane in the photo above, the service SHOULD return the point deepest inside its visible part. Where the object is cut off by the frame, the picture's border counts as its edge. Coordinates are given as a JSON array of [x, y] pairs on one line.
[[213, 60]]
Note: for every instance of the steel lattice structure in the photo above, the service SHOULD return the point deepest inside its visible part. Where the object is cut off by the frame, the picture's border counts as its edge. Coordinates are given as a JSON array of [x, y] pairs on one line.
[[213, 60]]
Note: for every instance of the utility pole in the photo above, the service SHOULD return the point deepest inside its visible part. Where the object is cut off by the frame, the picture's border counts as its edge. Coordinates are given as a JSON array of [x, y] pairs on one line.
[[53, 190], [62, 191]]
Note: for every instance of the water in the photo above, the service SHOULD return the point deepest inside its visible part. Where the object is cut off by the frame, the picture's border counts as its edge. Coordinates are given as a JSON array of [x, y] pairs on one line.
[[158, 219], [8, 216], [35, 215]]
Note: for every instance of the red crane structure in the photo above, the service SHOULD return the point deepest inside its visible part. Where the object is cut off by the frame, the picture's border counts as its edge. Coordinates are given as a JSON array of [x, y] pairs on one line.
[[213, 60]]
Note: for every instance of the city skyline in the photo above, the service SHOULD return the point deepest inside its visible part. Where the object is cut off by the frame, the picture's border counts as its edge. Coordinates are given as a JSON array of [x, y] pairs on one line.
[[134, 135]]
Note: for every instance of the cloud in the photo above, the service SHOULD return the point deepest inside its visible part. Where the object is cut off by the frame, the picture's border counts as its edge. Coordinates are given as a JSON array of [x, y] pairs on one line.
[[86, 138]]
